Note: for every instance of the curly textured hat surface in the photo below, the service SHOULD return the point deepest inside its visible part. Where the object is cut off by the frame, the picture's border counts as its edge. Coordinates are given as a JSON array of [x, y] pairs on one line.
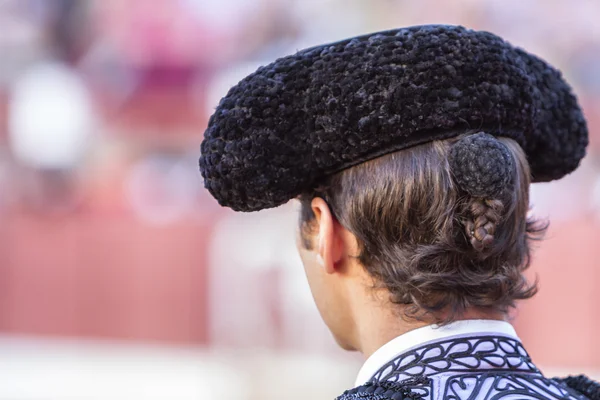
[[324, 109]]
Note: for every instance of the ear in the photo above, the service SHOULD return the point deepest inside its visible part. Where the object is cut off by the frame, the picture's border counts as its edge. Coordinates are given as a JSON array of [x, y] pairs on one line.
[[328, 241]]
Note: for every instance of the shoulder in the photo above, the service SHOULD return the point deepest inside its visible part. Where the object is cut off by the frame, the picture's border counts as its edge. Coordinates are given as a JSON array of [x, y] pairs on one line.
[[411, 389], [582, 385], [573, 387]]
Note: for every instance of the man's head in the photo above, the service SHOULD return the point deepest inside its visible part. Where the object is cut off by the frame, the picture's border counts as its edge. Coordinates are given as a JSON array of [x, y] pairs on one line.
[[399, 232], [362, 131]]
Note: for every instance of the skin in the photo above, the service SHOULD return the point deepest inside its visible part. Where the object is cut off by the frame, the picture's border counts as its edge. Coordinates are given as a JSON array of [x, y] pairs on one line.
[[359, 317]]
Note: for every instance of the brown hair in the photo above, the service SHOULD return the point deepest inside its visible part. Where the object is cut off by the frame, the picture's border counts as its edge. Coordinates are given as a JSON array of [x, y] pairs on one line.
[[432, 246]]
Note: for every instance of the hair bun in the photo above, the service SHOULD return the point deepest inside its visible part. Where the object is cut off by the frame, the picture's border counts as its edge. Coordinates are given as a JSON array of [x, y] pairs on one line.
[[482, 165]]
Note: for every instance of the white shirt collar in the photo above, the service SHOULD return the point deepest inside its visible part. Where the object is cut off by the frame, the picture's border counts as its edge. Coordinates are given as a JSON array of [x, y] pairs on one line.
[[426, 334]]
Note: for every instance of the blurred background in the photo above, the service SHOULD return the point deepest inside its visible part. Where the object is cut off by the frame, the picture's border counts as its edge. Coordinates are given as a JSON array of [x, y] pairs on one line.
[[121, 278]]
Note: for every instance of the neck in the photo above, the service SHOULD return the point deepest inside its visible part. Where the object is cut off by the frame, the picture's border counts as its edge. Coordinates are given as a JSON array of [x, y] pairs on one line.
[[379, 324]]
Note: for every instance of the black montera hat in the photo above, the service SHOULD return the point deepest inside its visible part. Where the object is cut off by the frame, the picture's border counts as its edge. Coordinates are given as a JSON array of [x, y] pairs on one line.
[[324, 109]]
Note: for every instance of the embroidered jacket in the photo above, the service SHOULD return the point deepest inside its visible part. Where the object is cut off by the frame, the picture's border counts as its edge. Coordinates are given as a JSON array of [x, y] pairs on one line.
[[485, 367]]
